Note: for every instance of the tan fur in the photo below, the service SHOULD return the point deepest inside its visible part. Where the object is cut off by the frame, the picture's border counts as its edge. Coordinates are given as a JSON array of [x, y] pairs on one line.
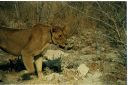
[[30, 42]]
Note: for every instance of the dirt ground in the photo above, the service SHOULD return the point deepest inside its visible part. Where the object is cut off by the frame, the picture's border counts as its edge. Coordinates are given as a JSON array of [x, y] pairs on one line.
[[87, 61]]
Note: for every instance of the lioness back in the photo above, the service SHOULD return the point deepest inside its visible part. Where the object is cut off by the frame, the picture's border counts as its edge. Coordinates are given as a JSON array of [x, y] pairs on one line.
[[14, 40]]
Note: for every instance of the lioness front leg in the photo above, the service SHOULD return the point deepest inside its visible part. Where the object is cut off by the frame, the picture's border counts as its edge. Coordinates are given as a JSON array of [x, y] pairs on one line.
[[38, 63], [28, 62]]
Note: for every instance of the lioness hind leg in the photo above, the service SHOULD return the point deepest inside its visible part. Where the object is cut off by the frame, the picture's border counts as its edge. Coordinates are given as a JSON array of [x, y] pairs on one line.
[[38, 63], [28, 62]]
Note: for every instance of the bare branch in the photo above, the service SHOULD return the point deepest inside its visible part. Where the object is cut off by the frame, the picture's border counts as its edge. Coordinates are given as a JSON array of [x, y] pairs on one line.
[[90, 16]]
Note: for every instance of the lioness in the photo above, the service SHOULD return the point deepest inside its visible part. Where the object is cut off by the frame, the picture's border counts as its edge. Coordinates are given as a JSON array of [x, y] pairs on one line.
[[31, 42]]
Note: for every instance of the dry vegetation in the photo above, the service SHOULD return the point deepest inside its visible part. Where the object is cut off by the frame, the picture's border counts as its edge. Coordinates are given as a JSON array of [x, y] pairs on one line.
[[97, 37]]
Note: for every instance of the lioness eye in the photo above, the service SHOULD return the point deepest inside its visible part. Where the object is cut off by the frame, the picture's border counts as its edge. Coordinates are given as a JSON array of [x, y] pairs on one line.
[[60, 35]]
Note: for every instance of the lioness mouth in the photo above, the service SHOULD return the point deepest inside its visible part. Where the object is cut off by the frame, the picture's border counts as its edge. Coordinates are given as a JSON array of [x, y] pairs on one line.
[[62, 46]]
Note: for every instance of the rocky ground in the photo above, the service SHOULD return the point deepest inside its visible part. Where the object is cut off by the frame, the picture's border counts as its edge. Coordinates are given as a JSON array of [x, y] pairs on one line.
[[88, 60]]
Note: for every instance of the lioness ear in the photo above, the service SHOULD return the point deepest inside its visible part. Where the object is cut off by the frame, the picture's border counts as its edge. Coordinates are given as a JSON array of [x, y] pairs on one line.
[[64, 28]]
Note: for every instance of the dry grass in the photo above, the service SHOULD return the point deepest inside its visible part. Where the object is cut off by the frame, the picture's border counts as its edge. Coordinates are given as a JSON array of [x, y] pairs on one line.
[[99, 26]]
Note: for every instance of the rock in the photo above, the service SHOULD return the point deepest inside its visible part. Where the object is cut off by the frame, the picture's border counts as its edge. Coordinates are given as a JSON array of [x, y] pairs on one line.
[[97, 74], [54, 77], [83, 70], [54, 54], [92, 79]]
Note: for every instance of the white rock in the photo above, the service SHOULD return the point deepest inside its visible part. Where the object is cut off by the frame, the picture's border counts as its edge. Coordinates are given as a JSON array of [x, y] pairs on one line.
[[49, 77], [54, 54], [93, 79], [53, 76], [97, 74], [83, 70]]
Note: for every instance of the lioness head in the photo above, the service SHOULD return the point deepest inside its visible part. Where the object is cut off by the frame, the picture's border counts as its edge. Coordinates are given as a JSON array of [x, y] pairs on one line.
[[58, 35]]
